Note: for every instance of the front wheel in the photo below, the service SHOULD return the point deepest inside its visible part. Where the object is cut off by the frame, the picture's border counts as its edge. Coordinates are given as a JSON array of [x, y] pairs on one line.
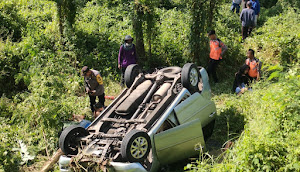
[[68, 140], [135, 146]]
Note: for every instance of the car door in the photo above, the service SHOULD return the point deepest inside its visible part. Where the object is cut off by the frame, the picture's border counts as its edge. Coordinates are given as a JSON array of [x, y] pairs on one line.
[[179, 142], [196, 107]]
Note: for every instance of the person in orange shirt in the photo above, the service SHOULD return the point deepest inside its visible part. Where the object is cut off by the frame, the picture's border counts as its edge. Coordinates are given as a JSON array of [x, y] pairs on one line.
[[254, 64], [217, 49]]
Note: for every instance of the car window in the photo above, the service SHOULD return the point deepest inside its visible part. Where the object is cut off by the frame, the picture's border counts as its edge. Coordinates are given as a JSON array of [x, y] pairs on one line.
[[170, 122]]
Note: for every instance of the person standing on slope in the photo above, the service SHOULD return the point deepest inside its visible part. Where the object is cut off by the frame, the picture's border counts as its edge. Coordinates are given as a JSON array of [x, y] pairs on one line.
[[217, 49], [127, 55], [247, 18]]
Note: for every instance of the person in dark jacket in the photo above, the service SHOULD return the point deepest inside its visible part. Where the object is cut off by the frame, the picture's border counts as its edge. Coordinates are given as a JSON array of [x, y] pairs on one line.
[[93, 86], [247, 18], [127, 55], [241, 80], [256, 8]]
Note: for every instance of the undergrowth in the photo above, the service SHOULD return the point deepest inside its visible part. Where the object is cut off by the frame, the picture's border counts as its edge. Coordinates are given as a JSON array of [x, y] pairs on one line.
[[262, 126]]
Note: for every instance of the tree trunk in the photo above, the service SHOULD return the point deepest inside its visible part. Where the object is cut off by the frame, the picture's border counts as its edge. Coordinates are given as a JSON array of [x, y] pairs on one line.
[[138, 30], [212, 6], [196, 30], [60, 19]]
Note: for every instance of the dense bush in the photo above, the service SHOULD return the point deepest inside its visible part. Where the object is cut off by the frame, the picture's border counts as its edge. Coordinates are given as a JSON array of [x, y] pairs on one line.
[[269, 140], [11, 22]]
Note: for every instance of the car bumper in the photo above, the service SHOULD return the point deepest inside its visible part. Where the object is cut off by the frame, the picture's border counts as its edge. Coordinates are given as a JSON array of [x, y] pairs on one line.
[[64, 163], [127, 167]]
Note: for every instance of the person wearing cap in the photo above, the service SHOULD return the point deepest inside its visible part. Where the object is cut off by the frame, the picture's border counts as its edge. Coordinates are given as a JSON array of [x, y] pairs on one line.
[[127, 55], [247, 18], [93, 86], [217, 49]]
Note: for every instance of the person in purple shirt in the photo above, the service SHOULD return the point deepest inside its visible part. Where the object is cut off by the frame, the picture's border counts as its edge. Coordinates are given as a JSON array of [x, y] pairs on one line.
[[127, 55], [256, 8]]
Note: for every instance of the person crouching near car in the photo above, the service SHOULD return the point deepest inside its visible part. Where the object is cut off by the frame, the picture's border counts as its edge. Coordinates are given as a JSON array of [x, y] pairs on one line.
[[241, 80], [255, 66], [93, 86]]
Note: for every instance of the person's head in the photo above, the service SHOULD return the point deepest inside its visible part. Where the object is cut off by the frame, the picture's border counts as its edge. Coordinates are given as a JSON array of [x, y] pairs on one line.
[[250, 54], [212, 35], [244, 69], [128, 39], [249, 4], [85, 71], [98, 109]]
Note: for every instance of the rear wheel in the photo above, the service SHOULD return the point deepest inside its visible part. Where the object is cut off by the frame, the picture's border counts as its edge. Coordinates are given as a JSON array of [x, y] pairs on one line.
[[131, 72], [135, 146], [68, 140], [190, 77]]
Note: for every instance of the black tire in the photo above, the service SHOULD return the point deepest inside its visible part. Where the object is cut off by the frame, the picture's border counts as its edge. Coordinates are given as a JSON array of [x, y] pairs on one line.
[[135, 146], [190, 77], [208, 130], [131, 72], [68, 139]]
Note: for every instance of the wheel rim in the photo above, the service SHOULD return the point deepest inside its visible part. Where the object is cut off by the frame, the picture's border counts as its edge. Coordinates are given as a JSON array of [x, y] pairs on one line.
[[193, 77], [139, 147]]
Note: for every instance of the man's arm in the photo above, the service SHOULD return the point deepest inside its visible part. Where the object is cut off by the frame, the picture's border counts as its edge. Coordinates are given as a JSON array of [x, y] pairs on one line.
[[87, 88], [120, 57], [224, 49], [259, 71], [241, 16]]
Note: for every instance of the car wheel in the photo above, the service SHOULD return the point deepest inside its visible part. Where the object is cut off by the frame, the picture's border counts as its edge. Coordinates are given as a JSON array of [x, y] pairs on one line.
[[190, 77], [68, 140], [131, 72], [135, 146]]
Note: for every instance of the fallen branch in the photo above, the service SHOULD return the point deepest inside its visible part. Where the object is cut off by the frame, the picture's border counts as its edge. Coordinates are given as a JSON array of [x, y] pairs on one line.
[[49, 164]]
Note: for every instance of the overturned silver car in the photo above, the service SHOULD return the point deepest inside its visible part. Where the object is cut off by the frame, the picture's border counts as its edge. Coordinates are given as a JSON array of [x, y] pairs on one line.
[[158, 119]]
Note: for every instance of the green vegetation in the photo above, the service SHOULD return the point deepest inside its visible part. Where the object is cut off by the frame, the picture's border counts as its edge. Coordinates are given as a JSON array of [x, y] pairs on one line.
[[43, 45], [262, 125]]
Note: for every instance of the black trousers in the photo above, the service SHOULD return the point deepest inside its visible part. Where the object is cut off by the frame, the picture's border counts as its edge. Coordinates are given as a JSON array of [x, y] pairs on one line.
[[212, 69], [122, 75], [246, 31], [101, 99]]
